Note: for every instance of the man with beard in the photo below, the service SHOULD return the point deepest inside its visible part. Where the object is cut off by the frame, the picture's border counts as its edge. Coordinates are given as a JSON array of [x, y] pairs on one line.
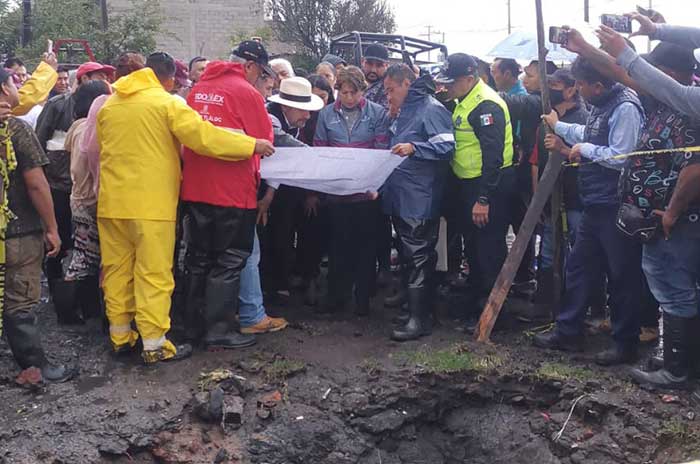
[[374, 65]]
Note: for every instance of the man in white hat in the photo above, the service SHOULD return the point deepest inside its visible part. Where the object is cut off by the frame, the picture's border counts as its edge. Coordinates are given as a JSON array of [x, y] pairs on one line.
[[293, 104], [290, 110]]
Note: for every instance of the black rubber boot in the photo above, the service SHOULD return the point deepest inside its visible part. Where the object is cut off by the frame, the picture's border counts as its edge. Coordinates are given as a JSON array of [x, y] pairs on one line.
[[64, 296], [89, 298], [420, 322], [25, 343], [397, 299], [192, 312], [401, 296], [218, 310], [555, 340], [619, 354], [677, 346], [545, 282], [311, 294]]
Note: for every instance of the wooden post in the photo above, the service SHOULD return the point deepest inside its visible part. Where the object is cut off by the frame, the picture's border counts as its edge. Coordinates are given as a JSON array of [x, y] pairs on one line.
[[545, 187]]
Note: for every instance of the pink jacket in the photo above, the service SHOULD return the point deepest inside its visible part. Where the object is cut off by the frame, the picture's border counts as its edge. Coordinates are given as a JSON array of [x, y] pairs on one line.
[[90, 144]]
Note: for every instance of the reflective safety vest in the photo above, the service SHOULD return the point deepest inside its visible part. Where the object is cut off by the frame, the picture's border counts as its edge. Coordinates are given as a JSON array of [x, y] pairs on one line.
[[467, 162]]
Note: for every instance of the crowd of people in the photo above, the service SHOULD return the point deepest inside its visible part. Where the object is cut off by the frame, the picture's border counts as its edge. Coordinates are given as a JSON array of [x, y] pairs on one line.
[[136, 190]]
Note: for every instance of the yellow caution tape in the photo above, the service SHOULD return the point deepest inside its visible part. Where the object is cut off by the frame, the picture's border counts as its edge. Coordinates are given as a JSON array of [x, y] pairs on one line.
[[666, 151]]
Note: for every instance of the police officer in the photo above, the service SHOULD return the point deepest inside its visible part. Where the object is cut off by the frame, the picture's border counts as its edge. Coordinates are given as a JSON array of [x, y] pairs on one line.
[[483, 164]]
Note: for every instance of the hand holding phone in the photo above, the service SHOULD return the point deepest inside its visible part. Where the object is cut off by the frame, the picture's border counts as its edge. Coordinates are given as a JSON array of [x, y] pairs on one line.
[[49, 46], [618, 23], [558, 35]]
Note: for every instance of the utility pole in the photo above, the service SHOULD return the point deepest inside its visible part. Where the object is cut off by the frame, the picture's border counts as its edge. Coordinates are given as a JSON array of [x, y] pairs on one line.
[[26, 22], [104, 14], [429, 35], [509, 22], [586, 11]]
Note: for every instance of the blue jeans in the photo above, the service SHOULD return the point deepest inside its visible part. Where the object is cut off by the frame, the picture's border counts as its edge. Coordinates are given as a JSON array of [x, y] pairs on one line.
[[672, 268], [599, 245], [573, 218], [251, 310]]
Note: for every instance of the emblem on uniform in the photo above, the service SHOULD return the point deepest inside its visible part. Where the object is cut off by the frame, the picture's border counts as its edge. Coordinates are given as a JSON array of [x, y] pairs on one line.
[[458, 121], [486, 119]]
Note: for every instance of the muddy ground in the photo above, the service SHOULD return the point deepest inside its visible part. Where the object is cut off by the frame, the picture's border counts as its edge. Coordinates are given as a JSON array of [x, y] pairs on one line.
[[337, 391]]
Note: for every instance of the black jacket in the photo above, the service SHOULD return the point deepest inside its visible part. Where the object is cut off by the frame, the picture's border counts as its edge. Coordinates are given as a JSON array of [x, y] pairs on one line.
[[56, 115]]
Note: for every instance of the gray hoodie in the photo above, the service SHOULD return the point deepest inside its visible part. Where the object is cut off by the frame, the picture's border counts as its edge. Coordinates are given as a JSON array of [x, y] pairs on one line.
[[683, 98]]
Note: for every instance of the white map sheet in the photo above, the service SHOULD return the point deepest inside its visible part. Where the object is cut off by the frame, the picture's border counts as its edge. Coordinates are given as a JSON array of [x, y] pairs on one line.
[[338, 171]]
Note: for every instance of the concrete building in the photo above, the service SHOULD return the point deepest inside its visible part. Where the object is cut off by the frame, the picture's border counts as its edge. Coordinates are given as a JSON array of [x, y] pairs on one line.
[[205, 27]]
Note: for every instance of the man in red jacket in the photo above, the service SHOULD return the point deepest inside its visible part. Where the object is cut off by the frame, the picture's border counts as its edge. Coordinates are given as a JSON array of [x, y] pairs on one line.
[[220, 198]]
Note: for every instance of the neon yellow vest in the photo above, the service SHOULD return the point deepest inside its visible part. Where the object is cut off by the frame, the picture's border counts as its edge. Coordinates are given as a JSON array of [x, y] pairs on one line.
[[468, 157]]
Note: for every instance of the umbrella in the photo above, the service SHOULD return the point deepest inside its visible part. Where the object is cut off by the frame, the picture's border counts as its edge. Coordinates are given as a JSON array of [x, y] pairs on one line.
[[523, 46]]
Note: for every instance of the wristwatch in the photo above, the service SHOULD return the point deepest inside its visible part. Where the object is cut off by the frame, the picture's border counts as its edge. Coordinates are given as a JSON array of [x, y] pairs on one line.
[[483, 201]]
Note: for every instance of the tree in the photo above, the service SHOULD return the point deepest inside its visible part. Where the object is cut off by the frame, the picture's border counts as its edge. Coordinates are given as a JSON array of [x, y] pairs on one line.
[[131, 29], [312, 23]]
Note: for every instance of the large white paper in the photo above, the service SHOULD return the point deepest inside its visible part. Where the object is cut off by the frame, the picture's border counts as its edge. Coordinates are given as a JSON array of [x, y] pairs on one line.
[[338, 171]]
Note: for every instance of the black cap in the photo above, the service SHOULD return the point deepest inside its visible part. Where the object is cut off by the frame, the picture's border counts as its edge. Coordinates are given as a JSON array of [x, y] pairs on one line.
[[377, 52], [335, 60], [253, 50], [457, 65], [672, 56], [564, 76]]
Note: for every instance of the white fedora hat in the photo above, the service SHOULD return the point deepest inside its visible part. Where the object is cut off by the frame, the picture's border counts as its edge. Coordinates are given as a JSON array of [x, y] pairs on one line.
[[296, 93]]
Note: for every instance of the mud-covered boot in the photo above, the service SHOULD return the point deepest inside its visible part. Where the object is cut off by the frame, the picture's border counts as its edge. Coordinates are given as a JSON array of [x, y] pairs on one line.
[[64, 296], [218, 310], [420, 323], [677, 344], [153, 357], [25, 343]]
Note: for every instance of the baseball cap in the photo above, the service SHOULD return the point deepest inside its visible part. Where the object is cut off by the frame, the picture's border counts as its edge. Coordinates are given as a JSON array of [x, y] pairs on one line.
[[253, 50], [672, 56], [377, 52], [91, 66], [564, 76], [457, 65], [335, 60]]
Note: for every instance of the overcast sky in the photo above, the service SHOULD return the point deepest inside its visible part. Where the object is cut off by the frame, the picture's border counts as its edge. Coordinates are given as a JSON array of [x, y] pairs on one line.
[[475, 26]]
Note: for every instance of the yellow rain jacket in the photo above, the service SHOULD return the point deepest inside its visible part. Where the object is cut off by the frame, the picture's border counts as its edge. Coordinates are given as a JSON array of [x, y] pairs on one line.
[[36, 89], [140, 129]]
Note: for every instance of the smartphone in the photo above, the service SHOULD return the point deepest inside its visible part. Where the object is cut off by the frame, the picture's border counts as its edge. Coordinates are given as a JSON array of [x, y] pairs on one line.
[[49, 46], [558, 35], [618, 23]]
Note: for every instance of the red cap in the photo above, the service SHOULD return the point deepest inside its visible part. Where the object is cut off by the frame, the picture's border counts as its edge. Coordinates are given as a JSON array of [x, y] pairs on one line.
[[181, 74], [91, 66]]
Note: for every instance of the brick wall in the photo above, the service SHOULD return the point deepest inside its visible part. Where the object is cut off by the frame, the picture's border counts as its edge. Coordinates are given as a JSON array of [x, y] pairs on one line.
[[199, 27]]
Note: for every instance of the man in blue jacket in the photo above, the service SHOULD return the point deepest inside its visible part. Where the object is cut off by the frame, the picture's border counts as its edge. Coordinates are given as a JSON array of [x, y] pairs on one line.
[[423, 133], [613, 128]]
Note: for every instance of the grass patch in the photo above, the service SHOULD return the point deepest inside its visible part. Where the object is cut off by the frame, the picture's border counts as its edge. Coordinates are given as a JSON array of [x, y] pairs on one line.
[[451, 360], [371, 367], [281, 369], [557, 371], [678, 432]]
